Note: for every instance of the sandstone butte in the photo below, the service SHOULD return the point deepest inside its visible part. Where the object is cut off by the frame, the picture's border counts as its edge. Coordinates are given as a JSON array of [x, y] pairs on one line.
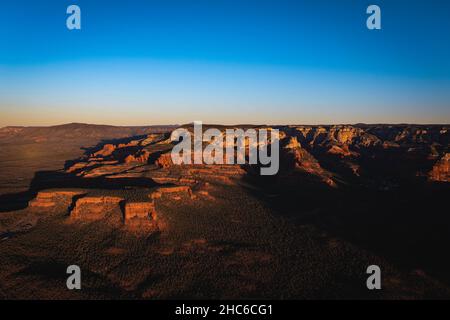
[[94, 208], [82, 206]]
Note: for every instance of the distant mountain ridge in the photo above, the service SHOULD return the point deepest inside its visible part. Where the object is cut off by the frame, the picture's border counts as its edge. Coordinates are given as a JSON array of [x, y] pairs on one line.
[[77, 130]]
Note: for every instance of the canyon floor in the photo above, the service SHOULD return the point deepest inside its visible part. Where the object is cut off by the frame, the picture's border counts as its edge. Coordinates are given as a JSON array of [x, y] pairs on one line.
[[109, 200]]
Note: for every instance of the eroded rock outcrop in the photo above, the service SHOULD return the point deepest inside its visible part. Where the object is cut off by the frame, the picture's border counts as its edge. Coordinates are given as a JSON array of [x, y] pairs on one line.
[[106, 151], [441, 170], [52, 198], [95, 207], [302, 160], [141, 157], [139, 210], [138, 174], [164, 160], [336, 135], [181, 190], [340, 151]]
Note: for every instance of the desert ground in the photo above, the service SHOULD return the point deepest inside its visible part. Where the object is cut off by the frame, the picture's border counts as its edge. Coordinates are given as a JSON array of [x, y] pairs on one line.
[[109, 200]]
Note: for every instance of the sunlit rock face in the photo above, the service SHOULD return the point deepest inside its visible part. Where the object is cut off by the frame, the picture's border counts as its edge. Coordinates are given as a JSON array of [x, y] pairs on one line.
[[301, 160], [353, 150], [441, 170], [139, 210], [53, 198], [94, 207], [164, 160], [106, 151]]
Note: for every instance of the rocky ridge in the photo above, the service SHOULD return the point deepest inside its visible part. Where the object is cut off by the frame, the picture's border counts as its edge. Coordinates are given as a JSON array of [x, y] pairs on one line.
[[335, 156]]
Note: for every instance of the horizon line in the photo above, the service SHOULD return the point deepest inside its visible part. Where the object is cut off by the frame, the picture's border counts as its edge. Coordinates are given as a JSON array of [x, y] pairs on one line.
[[227, 125]]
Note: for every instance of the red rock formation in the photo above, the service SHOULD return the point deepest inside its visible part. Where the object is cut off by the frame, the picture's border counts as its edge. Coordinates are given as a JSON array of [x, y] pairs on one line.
[[302, 160], [441, 169], [129, 159], [187, 181], [140, 210], [142, 156], [94, 207], [151, 139], [51, 198], [346, 135], [172, 190], [164, 160], [77, 166], [340, 151], [106, 151], [129, 144]]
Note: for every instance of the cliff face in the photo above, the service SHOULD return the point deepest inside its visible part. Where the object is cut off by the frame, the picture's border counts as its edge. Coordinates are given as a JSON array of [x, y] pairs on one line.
[[373, 150], [340, 135], [133, 209], [379, 157], [331, 153], [441, 170], [301, 160]]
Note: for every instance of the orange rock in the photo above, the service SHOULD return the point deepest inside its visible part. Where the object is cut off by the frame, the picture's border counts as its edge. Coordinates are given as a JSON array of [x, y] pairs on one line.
[[106, 151], [206, 194], [94, 208], [346, 135], [172, 190], [129, 159], [50, 198], [129, 144], [293, 143], [142, 156], [77, 166], [141, 210], [441, 169], [187, 181], [341, 151], [164, 160]]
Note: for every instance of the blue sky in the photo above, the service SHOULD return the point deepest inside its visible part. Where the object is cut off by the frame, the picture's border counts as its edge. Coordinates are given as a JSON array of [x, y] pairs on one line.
[[224, 61]]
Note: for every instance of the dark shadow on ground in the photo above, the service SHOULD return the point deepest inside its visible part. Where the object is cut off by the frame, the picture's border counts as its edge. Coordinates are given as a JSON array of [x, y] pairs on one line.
[[408, 224]]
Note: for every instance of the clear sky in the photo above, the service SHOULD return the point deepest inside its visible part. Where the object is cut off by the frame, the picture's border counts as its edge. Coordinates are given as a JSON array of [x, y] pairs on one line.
[[224, 61]]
